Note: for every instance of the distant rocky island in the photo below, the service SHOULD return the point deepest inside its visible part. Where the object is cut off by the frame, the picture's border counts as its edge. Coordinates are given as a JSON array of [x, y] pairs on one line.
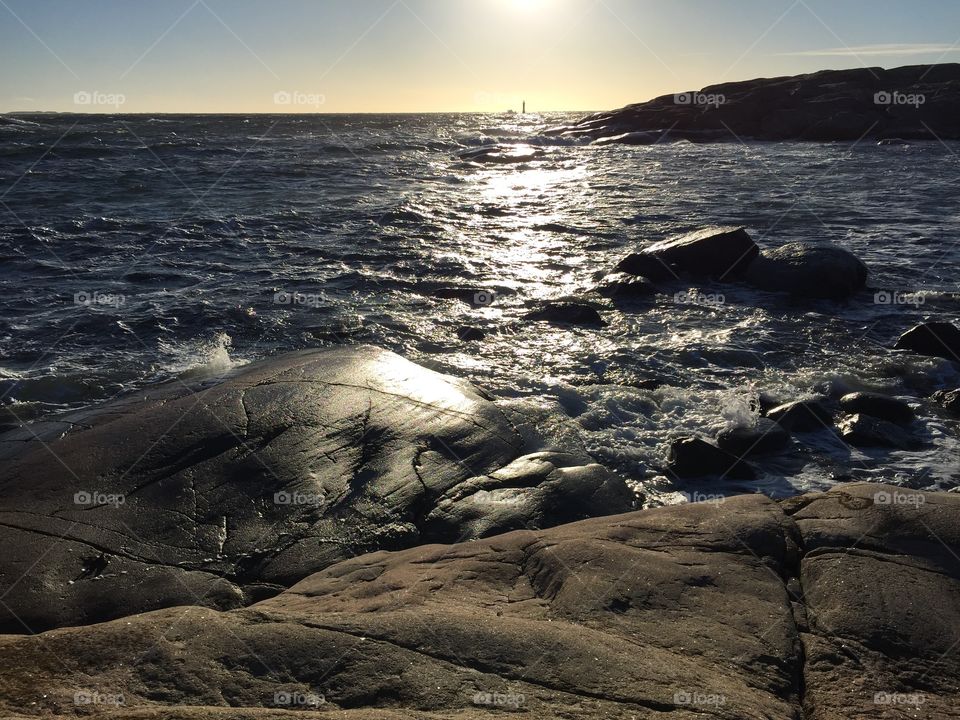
[[918, 102]]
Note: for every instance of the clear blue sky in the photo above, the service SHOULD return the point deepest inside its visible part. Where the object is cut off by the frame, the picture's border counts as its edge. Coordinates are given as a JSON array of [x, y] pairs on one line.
[[437, 55]]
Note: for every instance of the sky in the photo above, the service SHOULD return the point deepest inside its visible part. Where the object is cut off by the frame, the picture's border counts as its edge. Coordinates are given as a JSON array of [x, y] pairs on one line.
[[249, 56]]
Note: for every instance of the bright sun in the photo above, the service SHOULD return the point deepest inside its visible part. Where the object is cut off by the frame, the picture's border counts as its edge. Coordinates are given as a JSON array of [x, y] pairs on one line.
[[526, 4]]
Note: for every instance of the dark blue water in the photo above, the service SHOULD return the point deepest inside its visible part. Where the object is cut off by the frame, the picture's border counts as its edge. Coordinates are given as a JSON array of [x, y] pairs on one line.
[[135, 249]]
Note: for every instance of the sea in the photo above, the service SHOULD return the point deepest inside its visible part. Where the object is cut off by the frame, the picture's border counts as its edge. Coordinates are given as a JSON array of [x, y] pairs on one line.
[[138, 249]]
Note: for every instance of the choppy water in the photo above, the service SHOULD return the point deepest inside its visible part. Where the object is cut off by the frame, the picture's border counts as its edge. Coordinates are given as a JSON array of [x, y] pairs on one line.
[[191, 235]]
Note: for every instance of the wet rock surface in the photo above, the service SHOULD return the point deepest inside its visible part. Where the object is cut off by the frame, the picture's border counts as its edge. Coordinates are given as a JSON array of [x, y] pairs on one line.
[[878, 406], [744, 608], [220, 494], [937, 339], [722, 252], [808, 270], [694, 457], [802, 415], [867, 431], [765, 437]]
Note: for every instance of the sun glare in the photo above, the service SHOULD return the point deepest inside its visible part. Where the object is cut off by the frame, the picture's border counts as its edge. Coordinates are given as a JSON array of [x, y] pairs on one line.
[[526, 5]]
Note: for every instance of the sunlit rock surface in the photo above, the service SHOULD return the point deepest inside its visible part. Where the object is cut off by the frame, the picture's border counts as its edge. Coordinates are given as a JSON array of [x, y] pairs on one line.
[[914, 102], [835, 605], [225, 493]]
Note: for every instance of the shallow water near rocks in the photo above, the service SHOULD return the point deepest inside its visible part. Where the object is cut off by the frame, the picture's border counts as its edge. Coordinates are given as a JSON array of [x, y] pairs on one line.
[[137, 249]]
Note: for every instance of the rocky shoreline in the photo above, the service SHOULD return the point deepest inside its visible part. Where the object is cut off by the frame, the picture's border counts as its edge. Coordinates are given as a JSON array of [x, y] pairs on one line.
[[918, 102], [840, 604], [268, 543]]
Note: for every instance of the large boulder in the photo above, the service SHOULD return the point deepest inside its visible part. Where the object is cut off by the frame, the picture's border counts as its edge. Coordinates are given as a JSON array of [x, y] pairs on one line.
[[878, 406], [721, 252], [866, 431], [937, 339], [808, 415], [693, 457], [225, 493], [808, 271], [766, 436], [740, 609]]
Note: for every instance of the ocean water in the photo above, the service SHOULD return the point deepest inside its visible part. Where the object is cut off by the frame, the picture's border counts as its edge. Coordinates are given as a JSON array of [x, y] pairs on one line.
[[136, 249]]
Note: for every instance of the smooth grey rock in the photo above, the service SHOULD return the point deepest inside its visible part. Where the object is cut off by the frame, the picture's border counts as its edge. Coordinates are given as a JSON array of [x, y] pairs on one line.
[[808, 608], [219, 496], [721, 252], [937, 339], [693, 457], [809, 271], [878, 406], [866, 431], [765, 437]]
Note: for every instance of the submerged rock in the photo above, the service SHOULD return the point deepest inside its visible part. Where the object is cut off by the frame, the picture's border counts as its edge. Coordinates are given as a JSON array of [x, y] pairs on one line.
[[878, 406], [503, 154], [949, 400], [625, 286], [765, 437], [809, 271], [937, 339], [568, 313], [693, 457], [721, 252], [802, 415], [866, 431], [643, 614], [470, 334], [246, 486]]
